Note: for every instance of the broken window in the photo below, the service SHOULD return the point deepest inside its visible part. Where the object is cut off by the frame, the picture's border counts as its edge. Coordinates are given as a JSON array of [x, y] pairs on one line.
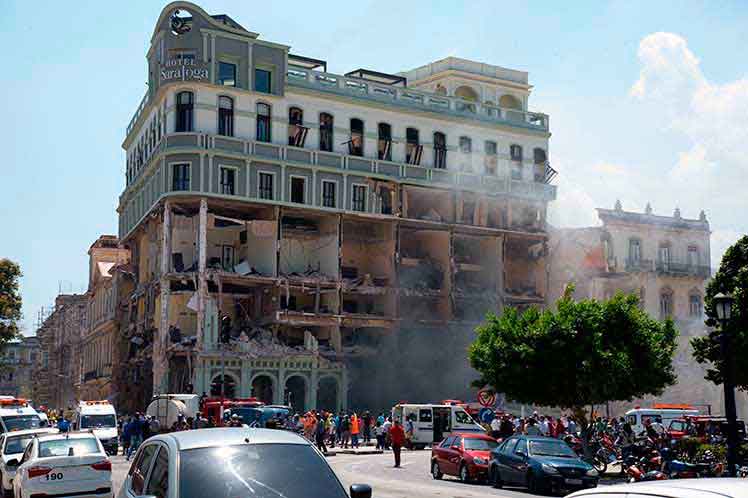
[[297, 132], [228, 180], [356, 143], [225, 116], [180, 179], [266, 186], [328, 194], [384, 145], [358, 201], [226, 74], [263, 122], [440, 150], [185, 102], [413, 148], [227, 257], [385, 197], [325, 132], [297, 189]]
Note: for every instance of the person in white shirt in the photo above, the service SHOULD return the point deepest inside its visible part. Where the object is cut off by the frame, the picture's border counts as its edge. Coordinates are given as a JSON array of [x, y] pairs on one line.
[[495, 427], [543, 426]]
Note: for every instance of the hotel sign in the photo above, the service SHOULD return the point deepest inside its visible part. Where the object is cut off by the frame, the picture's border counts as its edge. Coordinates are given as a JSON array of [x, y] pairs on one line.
[[183, 70]]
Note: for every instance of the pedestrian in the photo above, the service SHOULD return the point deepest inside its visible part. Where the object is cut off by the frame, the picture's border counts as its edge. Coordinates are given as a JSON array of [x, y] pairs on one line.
[[379, 434], [532, 428], [367, 428], [345, 434], [397, 436], [409, 431], [155, 425], [543, 426], [126, 434], [387, 426], [320, 435], [63, 425], [496, 427], [355, 430], [136, 435]]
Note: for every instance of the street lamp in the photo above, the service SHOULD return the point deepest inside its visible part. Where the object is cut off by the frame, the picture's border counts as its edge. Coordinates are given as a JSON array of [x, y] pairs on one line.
[[723, 308]]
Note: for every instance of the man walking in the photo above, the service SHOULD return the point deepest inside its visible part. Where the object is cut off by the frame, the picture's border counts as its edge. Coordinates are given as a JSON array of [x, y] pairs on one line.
[[397, 437]]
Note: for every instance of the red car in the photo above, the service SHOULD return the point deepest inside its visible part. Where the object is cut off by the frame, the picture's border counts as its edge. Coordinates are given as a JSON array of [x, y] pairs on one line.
[[464, 455]]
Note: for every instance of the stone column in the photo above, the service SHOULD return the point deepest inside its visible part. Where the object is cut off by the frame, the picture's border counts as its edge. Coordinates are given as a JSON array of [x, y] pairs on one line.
[[313, 386], [160, 363]]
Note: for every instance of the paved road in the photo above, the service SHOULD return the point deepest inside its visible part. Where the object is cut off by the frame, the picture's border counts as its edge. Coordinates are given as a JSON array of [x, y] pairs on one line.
[[412, 480]]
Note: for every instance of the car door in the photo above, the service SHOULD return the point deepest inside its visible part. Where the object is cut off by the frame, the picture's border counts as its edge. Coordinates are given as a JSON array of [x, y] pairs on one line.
[[517, 462], [453, 457], [442, 451], [20, 470], [136, 478], [158, 479], [504, 459]]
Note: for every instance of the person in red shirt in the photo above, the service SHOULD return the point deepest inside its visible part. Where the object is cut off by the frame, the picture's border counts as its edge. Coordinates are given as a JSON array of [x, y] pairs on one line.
[[397, 436]]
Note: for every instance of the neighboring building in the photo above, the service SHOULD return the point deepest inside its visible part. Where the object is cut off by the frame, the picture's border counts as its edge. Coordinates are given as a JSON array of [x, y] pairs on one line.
[[56, 380], [353, 229], [664, 260], [100, 341], [17, 362]]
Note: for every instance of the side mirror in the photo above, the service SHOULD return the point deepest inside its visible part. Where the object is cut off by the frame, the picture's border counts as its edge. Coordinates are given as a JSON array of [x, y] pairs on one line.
[[13, 462], [360, 491], [521, 453]]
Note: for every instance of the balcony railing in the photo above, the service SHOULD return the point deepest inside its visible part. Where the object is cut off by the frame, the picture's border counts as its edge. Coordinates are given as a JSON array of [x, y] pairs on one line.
[[408, 97], [675, 268], [501, 182], [633, 265], [137, 114]]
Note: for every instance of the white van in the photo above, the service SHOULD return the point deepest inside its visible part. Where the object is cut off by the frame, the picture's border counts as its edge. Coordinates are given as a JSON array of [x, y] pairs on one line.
[[432, 423], [100, 418], [17, 415], [639, 416]]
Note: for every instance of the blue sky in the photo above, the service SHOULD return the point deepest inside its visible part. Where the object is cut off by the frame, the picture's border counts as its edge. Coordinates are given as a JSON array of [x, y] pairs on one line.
[[648, 102]]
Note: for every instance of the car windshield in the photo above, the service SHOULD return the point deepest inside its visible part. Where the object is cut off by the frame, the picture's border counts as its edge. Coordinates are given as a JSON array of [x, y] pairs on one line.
[[95, 421], [551, 448], [479, 444], [21, 422], [248, 415], [68, 447], [256, 470], [16, 444]]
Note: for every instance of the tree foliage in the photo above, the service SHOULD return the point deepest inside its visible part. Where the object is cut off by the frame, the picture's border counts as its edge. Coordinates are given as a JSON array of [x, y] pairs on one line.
[[582, 354], [10, 300], [731, 278]]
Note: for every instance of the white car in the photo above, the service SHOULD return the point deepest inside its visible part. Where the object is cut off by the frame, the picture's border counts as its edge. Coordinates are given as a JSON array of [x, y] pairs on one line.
[[681, 488], [12, 446], [73, 464]]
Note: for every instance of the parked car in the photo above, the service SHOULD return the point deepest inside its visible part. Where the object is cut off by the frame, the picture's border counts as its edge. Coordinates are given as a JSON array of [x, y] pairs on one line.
[[541, 464], [462, 455], [681, 488], [233, 463], [73, 464], [12, 446]]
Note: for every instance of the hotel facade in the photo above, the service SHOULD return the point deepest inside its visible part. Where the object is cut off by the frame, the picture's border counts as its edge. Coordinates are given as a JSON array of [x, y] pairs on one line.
[[308, 237]]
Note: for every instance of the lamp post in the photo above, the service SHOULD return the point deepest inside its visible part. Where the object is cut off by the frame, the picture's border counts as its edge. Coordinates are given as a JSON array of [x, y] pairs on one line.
[[723, 307]]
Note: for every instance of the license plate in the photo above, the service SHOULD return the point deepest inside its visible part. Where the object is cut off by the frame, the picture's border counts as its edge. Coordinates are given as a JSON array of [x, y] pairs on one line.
[[573, 482]]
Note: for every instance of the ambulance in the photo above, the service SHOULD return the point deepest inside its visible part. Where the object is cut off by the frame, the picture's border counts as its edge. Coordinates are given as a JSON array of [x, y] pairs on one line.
[[100, 418], [16, 414], [432, 423]]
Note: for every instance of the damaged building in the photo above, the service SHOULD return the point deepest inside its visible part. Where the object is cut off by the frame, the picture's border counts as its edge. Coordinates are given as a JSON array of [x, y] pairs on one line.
[[321, 240]]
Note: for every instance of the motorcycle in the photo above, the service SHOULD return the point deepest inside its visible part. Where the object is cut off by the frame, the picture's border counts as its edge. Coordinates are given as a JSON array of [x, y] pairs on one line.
[[601, 456], [644, 469]]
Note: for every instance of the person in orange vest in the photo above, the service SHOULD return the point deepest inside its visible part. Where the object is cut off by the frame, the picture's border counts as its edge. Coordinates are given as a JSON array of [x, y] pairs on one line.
[[397, 436], [355, 430]]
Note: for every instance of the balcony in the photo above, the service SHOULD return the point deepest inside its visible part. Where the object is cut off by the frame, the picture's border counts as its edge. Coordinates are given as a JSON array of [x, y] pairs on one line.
[[679, 269], [414, 99], [639, 265]]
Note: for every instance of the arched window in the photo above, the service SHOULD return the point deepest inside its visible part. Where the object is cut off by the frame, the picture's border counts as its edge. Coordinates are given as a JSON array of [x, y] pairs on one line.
[[510, 102], [466, 93], [296, 130], [440, 150], [356, 143], [185, 103], [225, 116], [666, 302], [325, 132], [413, 148], [384, 143], [263, 122], [694, 305]]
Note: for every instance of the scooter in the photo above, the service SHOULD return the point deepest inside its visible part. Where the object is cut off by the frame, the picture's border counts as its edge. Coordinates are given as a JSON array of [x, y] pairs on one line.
[[645, 469]]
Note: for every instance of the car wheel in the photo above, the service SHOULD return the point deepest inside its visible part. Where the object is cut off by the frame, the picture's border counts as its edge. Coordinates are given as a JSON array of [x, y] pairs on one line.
[[600, 463], [494, 478], [436, 473], [464, 474]]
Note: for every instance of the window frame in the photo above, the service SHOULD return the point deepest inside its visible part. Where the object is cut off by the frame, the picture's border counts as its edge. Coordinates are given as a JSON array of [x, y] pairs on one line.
[[666, 297], [384, 141], [304, 179], [185, 117], [235, 171], [138, 458], [172, 165], [324, 131], [699, 303], [235, 81], [160, 448], [365, 199], [440, 153], [352, 150], [267, 120], [226, 117], [465, 144], [516, 153], [272, 175], [334, 184], [266, 69]]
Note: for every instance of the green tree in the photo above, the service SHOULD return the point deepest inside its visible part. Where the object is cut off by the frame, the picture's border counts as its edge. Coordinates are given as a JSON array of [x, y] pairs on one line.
[[580, 355], [10, 301], [731, 278]]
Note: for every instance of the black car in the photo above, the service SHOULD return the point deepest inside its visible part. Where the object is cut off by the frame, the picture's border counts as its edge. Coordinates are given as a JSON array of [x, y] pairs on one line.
[[542, 464]]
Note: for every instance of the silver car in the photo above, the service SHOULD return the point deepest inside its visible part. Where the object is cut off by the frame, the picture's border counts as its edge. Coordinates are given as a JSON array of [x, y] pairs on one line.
[[680, 488], [233, 463]]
